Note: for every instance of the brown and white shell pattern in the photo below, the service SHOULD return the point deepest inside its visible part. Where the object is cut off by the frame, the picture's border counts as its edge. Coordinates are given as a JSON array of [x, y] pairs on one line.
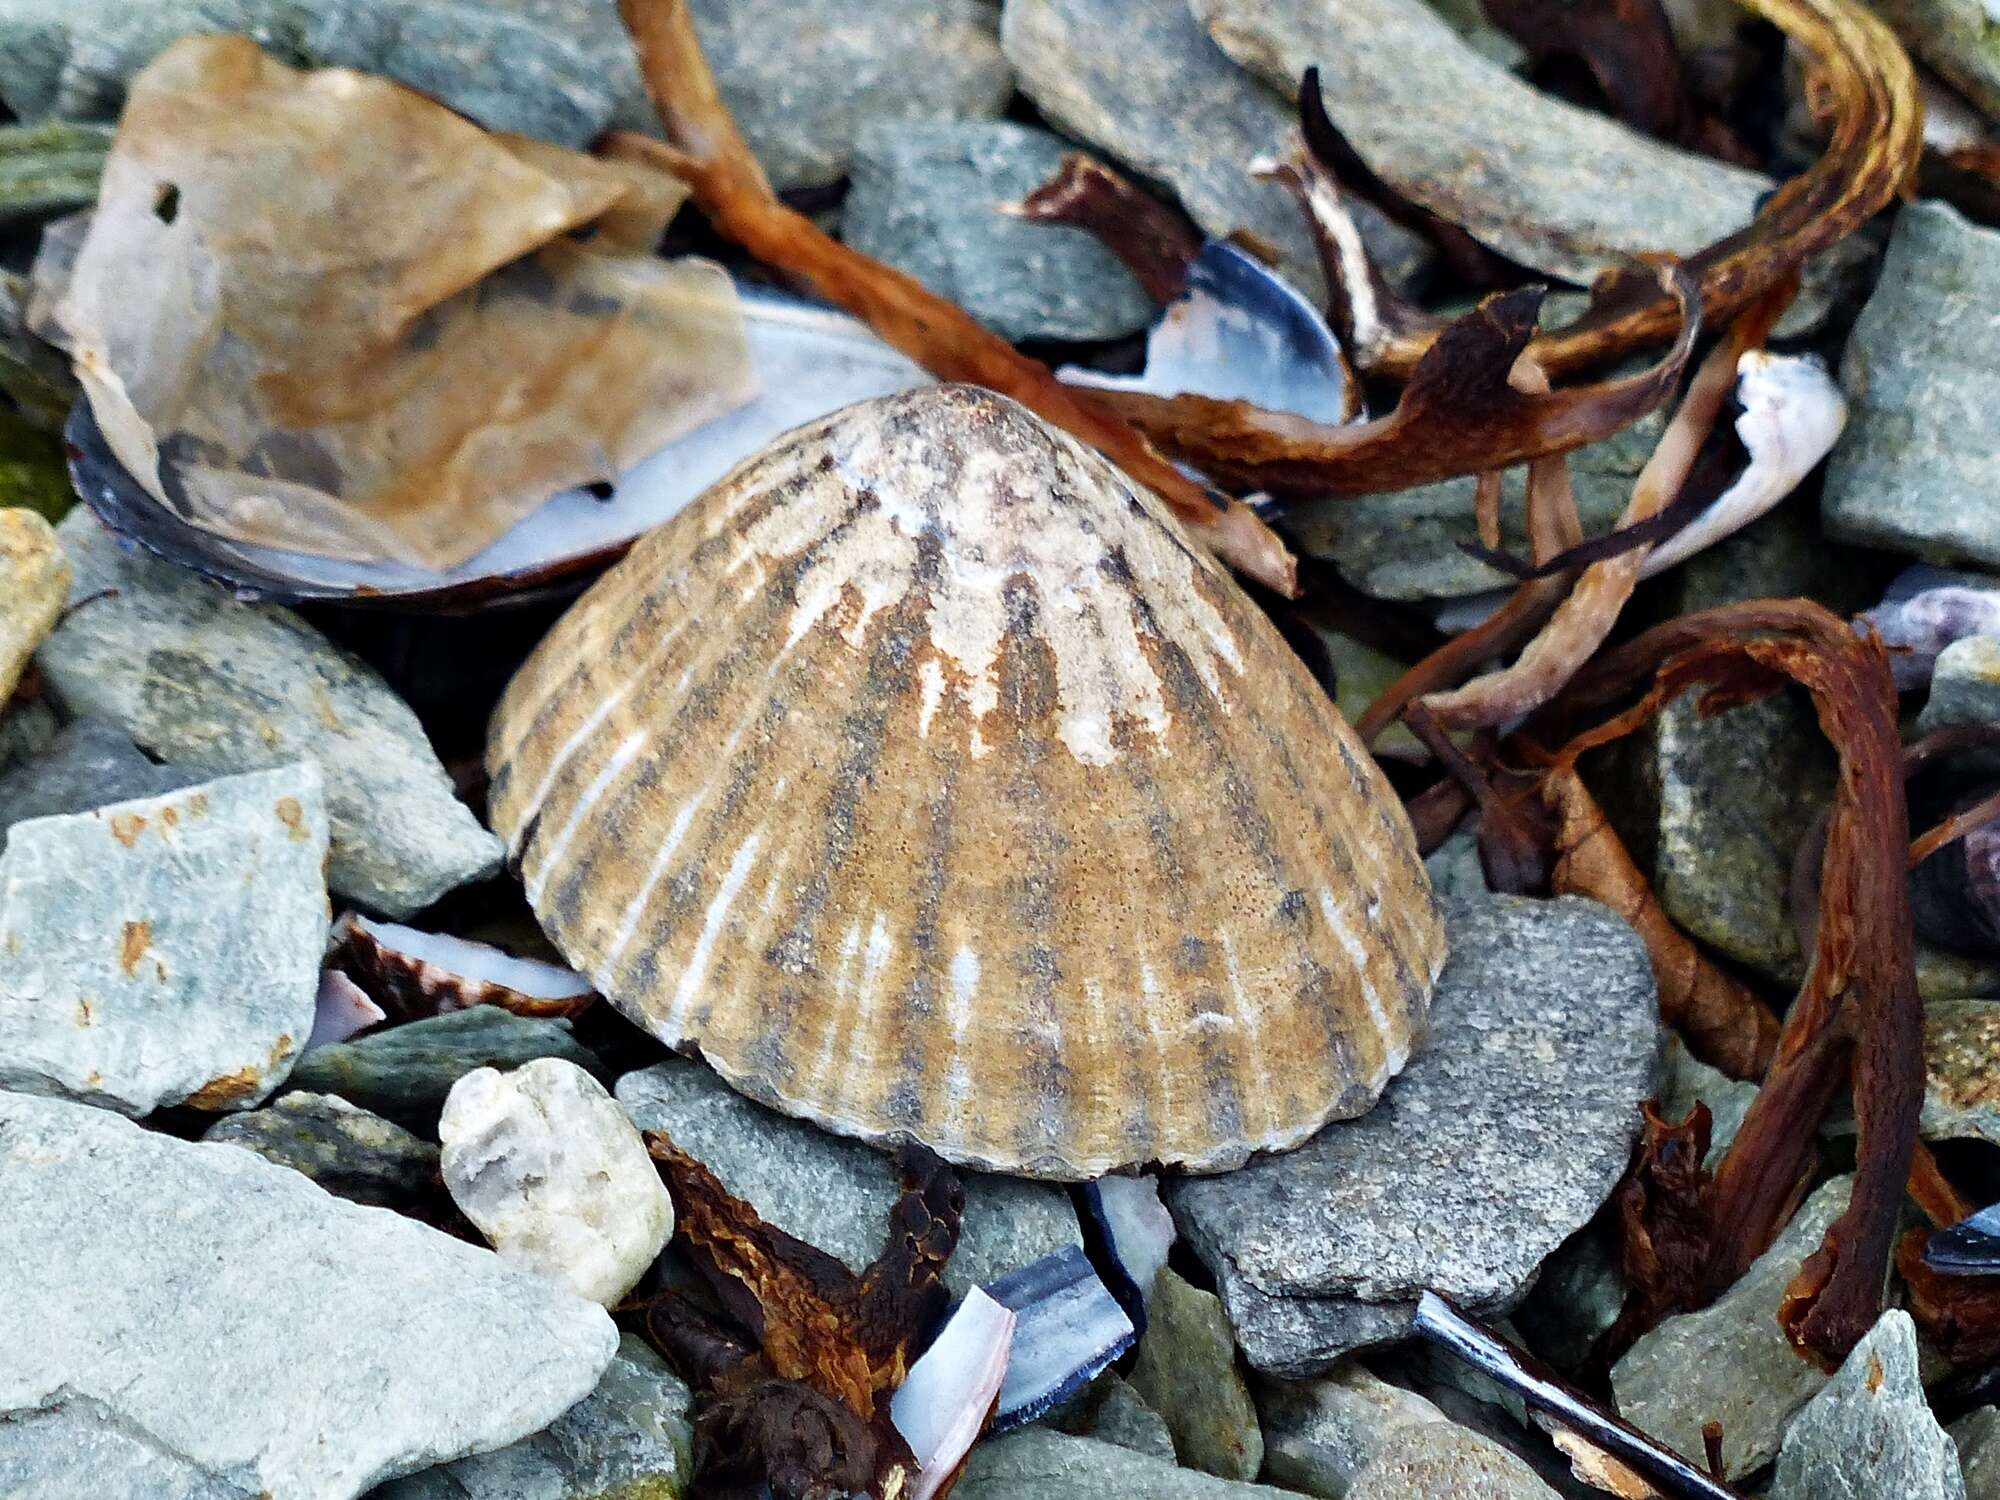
[[925, 779]]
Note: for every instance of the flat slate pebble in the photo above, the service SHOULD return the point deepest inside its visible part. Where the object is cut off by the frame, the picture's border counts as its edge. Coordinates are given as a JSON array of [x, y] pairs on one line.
[[185, 1321], [346, 1150], [89, 764], [1039, 1464], [165, 950], [1503, 1136], [1186, 1371], [927, 200], [202, 680], [405, 1072], [832, 1192]]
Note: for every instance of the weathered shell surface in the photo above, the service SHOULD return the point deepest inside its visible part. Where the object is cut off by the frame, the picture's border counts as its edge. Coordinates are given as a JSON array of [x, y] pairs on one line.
[[924, 777]]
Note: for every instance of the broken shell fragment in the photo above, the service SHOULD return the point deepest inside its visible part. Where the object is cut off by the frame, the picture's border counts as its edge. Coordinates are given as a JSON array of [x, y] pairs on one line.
[[414, 974], [924, 777]]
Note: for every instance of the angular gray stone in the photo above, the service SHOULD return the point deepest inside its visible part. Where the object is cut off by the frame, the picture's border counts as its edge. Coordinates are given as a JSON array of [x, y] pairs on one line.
[[1186, 1371], [1913, 471], [90, 764], [165, 950], [803, 77], [1454, 866], [1124, 1418], [264, 1338], [926, 199], [1320, 1435], [405, 1072], [629, 1439], [1977, 1437], [1502, 1137], [1421, 1463], [72, 59], [1965, 688], [27, 729], [1141, 81], [1959, 38], [833, 1192], [1871, 1431], [1405, 545], [1039, 1464], [200, 679], [1689, 1081], [1730, 1362], [1419, 107], [346, 1150]]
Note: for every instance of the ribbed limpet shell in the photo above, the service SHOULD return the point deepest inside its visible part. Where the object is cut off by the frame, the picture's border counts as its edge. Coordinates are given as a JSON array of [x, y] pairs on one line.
[[924, 778]]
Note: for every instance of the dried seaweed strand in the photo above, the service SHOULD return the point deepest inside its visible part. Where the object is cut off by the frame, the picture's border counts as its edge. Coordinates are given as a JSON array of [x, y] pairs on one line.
[[709, 154], [1583, 620], [1724, 1024], [1859, 1002], [1154, 240]]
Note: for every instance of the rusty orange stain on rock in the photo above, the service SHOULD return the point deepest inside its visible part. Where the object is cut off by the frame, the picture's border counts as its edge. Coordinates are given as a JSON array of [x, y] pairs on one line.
[[132, 945], [86, 1014], [294, 818], [126, 828], [220, 1093]]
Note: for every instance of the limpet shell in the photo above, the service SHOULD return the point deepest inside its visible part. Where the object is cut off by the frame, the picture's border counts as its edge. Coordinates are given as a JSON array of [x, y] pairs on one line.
[[925, 779]]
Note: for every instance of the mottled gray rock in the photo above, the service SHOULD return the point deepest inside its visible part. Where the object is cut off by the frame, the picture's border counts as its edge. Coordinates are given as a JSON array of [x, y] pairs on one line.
[[405, 1072], [833, 1192], [200, 679], [1405, 545], [926, 199], [90, 764], [73, 58], [1959, 38], [1501, 1138], [186, 1322], [629, 1439], [1186, 1371], [1418, 105], [1871, 1431], [1141, 81], [1962, 1070], [1689, 1081], [1730, 1362], [1454, 866], [1037, 1463], [803, 77], [1965, 689], [34, 581], [27, 729], [1124, 1418], [1424, 1462], [346, 1150], [1320, 1435], [166, 949], [1977, 1437], [544, 1161], [1911, 472]]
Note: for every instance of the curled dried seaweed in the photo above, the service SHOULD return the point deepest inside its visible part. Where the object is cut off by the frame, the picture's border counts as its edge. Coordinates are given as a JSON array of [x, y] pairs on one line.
[[1459, 414], [1724, 1023], [1155, 241], [1959, 1314], [1857, 1013], [807, 1413], [709, 154], [1583, 620]]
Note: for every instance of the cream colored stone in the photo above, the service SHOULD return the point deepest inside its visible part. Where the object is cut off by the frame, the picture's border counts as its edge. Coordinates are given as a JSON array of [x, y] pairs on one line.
[[34, 581]]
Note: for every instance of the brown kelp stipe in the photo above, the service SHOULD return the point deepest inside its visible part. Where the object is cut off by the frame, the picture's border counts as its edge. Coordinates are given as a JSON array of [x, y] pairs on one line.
[[708, 153]]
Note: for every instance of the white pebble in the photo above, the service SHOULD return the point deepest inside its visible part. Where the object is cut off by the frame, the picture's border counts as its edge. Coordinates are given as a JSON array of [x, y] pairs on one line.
[[544, 1161]]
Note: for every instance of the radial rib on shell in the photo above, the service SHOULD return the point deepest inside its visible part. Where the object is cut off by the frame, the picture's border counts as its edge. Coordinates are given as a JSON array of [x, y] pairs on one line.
[[927, 779]]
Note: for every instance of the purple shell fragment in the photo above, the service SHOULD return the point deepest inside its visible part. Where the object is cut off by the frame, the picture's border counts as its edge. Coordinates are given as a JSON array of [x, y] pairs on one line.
[[1137, 1232], [1925, 610], [341, 1010], [1068, 1327], [1971, 1247]]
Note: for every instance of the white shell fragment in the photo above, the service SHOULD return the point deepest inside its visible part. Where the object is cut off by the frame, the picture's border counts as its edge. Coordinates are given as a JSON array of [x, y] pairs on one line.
[[1138, 1232], [555, 1176], [418, 974], [1793, 413], [941, 1406]]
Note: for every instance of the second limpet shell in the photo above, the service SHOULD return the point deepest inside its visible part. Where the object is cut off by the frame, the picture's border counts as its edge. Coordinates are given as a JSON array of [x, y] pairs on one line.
[[928, 781]]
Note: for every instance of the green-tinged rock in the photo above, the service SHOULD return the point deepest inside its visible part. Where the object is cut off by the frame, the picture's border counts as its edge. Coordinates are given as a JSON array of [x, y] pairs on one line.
[[36, 376], [1959, 38], [50, 168], [1039, 1464], [1730, 1362], [1406, 545], [1917, 470], [630, 1439], [1186, 1371], [927, 199], [1871, 1431], [1321, 1435], [346, 1150], [27, 729], [1965, 689], [33, 475], [1123, 1417], [404, 1072], [1422, 1463]]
